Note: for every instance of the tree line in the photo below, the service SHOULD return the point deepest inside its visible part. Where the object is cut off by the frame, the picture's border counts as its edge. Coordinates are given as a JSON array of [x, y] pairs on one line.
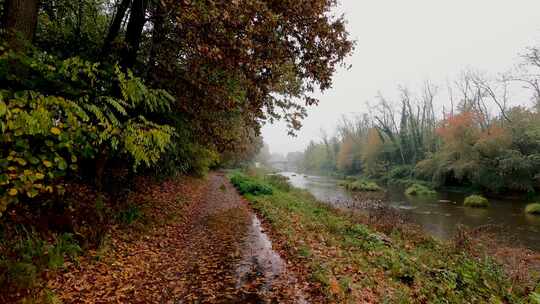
[[91, 87], [482, 136]]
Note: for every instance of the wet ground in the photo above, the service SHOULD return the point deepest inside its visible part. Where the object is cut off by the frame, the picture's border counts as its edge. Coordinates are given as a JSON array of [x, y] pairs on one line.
[[229, 237], [215, 252]]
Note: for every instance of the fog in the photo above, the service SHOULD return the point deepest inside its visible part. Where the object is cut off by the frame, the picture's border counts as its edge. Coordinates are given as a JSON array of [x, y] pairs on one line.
[[407, 42]]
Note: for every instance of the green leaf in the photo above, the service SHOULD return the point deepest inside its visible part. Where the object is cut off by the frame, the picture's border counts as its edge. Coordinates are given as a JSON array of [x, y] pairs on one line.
[[62, 164], [3, 108], [32, 193]]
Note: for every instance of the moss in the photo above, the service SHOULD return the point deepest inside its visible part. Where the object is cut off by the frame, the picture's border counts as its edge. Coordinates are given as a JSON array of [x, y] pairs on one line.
[[533, 209], [360, 185], [419, 190], [476, 201]]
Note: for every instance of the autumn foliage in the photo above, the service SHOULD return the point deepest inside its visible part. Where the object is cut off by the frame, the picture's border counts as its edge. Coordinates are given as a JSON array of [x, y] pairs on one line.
[[97, 92]]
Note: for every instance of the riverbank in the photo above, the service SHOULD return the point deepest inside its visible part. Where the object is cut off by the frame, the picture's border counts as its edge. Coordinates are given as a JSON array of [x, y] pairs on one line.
[[382, 258]]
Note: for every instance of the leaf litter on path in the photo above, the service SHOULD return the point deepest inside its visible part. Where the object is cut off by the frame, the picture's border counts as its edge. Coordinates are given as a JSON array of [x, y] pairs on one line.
[[212, 251]]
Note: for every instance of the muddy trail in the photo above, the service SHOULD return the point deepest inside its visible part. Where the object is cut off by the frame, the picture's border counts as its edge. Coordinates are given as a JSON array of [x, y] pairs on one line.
[[215, 252]]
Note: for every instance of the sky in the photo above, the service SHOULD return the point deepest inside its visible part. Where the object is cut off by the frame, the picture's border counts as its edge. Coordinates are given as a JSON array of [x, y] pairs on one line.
[[408, 42]]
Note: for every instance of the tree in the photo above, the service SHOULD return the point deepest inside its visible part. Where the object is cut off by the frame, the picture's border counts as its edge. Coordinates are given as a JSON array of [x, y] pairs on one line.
[[19, 21]]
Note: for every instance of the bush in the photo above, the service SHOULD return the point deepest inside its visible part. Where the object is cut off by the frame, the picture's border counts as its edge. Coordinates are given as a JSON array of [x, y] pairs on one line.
[[65, 246], [533, 209], [400, 172], [26, 255], [419, 190], [476, 201], [245, 185], [361, 185], [130, 214], [67, 112], [22, 274], [278, 181]]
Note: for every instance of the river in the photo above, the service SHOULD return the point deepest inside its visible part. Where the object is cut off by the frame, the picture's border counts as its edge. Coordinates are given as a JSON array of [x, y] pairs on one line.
[[440, 219]]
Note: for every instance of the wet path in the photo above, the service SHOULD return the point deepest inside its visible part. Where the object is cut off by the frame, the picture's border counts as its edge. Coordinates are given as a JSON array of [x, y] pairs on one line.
[[230, 258], [214, 251]]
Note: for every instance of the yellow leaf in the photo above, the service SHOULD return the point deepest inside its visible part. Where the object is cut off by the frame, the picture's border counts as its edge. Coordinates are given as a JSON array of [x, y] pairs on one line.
[[55, 131], [47, 163], [40, 175], [13, 192], [334, 286]]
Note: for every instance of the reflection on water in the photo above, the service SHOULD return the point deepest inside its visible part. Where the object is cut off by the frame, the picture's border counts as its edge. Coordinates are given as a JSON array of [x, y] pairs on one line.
[[261, 263], [438, 215], [259, 257]]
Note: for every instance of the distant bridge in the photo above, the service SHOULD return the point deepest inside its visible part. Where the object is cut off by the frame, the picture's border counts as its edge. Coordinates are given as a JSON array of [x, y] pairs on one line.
[[281, 165]]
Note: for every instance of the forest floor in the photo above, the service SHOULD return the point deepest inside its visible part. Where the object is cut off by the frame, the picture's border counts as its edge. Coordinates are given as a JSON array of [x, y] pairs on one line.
[[208, 247]]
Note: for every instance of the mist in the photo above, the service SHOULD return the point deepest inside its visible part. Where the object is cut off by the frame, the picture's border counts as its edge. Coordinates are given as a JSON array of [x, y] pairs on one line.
[[404, 44]]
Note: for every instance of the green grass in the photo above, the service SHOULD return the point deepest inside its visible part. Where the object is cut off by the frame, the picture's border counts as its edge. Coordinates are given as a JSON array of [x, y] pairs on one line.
[[533, 209], [130, 214], [278, 181], [244, 185], [420, 190], [361, 185], [30, 255], [476, 201], [350, 262]]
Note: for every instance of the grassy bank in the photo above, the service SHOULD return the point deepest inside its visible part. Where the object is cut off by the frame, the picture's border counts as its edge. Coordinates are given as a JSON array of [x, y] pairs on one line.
[[381, 259]]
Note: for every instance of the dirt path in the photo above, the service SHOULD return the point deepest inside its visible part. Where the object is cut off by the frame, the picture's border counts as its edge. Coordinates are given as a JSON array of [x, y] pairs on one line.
[[216, 254]]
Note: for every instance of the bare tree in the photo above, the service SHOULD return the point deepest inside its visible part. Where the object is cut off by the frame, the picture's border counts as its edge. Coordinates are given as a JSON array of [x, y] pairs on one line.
[[528, 73], [488, 88]]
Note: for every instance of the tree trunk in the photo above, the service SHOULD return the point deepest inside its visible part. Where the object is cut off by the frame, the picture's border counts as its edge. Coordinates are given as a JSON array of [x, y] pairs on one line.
[[20, 21], [114, 29], [100, 165], [158, 36], [135, 26]]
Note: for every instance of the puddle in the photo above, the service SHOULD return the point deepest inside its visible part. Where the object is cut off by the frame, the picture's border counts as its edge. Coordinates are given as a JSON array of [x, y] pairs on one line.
[[261, 264]]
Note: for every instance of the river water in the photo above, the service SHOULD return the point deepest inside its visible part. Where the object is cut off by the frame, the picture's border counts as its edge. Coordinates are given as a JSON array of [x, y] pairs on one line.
[[440, 219]]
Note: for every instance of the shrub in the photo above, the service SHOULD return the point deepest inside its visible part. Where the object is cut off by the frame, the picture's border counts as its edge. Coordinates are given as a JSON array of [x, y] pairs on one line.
[[419, 190], [22, 274], [130, 214], [26, 255], [246, 185], [476, 201], [278, 181], [400, 172], [71, 110], [65, 246], [533, 209], [361, 185]]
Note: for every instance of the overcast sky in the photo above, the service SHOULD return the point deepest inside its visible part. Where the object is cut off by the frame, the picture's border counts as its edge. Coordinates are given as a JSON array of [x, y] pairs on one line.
[[407, 42]]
